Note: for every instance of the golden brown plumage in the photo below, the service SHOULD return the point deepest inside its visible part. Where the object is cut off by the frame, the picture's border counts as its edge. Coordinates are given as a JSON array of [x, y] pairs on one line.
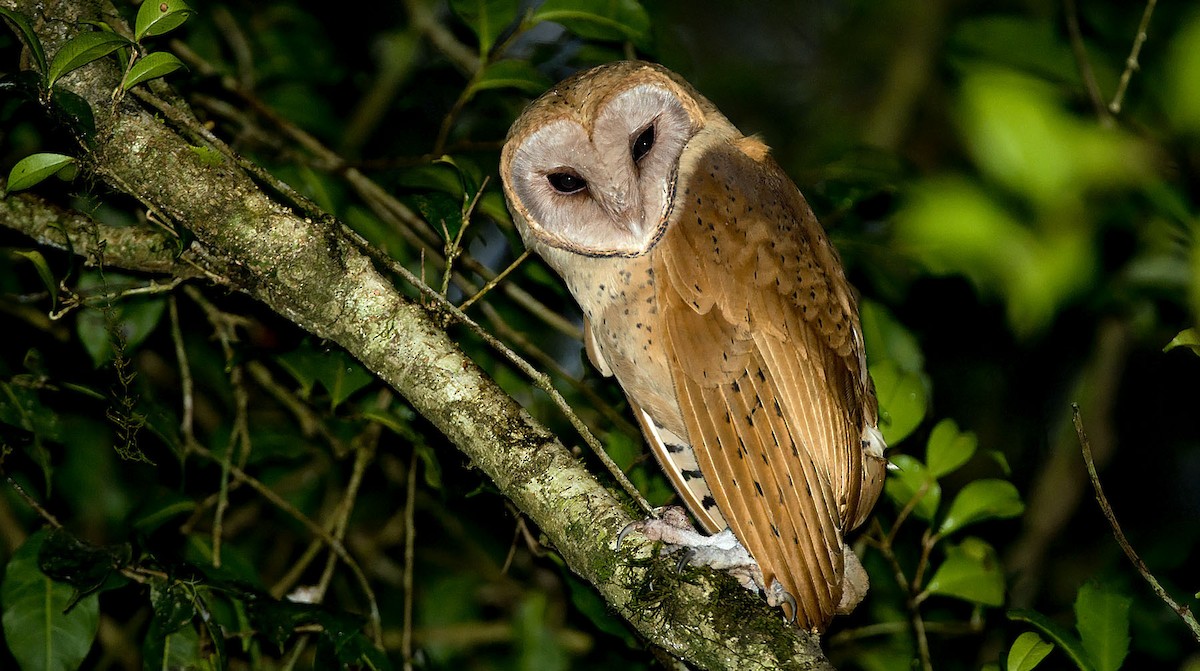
[[715, 298]]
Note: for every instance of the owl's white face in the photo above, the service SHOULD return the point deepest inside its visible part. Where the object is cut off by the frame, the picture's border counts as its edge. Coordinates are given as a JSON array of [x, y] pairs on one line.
[[606, 192]]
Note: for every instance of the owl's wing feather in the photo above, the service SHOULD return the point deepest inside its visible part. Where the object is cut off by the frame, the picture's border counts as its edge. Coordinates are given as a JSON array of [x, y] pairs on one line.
[[763, 335]]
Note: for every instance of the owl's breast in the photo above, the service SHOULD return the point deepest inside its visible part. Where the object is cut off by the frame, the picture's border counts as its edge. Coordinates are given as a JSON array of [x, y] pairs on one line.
[[618, 297]]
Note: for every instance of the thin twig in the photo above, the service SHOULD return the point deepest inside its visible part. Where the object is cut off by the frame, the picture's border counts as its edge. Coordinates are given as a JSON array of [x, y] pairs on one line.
[[1131, 63], [186, 385], [1085, 67], [916, 621], [32, 503], [539, 379], [1184, 612], [313, 528], [410, 537], [491, 284]]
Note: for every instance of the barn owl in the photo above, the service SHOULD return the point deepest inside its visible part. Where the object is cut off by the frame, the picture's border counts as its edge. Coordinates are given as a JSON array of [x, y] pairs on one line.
[[714, 297]]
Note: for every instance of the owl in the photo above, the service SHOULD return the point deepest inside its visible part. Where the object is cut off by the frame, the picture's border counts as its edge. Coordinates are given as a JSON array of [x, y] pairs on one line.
[[713, 296]]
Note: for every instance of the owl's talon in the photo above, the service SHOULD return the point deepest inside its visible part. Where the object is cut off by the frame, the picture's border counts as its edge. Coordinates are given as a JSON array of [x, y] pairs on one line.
[[685, 558], [632, 526]]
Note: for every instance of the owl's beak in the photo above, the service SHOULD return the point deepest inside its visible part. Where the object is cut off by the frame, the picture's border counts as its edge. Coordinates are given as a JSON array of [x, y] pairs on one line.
[[624, 206]]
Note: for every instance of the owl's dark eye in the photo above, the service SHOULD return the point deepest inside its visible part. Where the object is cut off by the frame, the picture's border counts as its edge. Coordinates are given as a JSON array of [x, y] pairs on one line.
[[643, 143], [566, 182]]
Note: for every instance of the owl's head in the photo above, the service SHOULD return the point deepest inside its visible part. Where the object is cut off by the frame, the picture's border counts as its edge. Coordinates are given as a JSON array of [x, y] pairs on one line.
[[591, 166]]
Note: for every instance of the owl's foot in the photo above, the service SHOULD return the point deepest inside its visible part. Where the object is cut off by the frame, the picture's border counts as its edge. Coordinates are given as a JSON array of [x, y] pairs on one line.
[[721, 551]]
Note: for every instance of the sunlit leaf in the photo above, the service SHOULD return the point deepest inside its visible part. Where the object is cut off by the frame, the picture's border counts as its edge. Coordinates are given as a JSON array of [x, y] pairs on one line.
[[514, 74], [1021, 134], [37, 167], [29, 36], [150, 66], [1027, 652], [1064, 639], [40, 635], [908, 479], [1102, 619], [43, 270], [981, 500], [486, 18], [156, 17], [902, 400], [971, 571], [948, 448], [83, 49], [952, 226], [1183, 71], [598, 19], [1189, 338], [888, 340]]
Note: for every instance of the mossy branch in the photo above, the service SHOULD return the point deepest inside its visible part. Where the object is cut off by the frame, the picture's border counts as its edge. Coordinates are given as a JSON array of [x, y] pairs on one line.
[[314, 272]]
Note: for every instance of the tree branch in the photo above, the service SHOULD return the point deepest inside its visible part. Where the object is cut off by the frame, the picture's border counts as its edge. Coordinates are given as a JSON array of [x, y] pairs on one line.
[[313, 272]]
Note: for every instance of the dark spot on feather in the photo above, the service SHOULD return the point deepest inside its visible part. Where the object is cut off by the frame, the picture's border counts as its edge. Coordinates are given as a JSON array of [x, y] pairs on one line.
[[791, 483], [758, 488], [775, 530], [778, 410], [727, 417], [795, 539], [639, 325], [749, 420], [735, 387], [672, 447], [764, 458], [708, 501], [780, 492], [691, 474], [762, 377]]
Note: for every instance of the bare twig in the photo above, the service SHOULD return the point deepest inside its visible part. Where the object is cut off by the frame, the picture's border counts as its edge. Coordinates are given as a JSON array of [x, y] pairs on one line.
[[410, 537], [1085, 66], [491, 284], [32, 503], [539, 379], [1184, 612], [1131, 63], [882, 541]]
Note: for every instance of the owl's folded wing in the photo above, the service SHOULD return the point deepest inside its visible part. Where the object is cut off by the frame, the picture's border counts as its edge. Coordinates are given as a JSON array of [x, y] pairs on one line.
[[766, 358]]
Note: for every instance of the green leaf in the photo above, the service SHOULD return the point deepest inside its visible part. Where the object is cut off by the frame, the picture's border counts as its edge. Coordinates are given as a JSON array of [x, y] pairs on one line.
[[510, 74], [908, 478], [83, 49], [972, 572], [1063, 638], [156, 18], [981, 500], [1182, 70], [40, 635], [1102, 619], [28, 36], [888, 340], [598, 19], [134, 318], [486, 18], [43, 270], [902, 400], [1027, 652], [337, 371], [1189, 338], [948, 448], [37, 167], [150, 66]]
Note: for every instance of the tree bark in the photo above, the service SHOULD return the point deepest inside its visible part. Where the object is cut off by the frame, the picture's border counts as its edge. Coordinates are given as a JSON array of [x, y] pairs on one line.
[[314, 273]]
